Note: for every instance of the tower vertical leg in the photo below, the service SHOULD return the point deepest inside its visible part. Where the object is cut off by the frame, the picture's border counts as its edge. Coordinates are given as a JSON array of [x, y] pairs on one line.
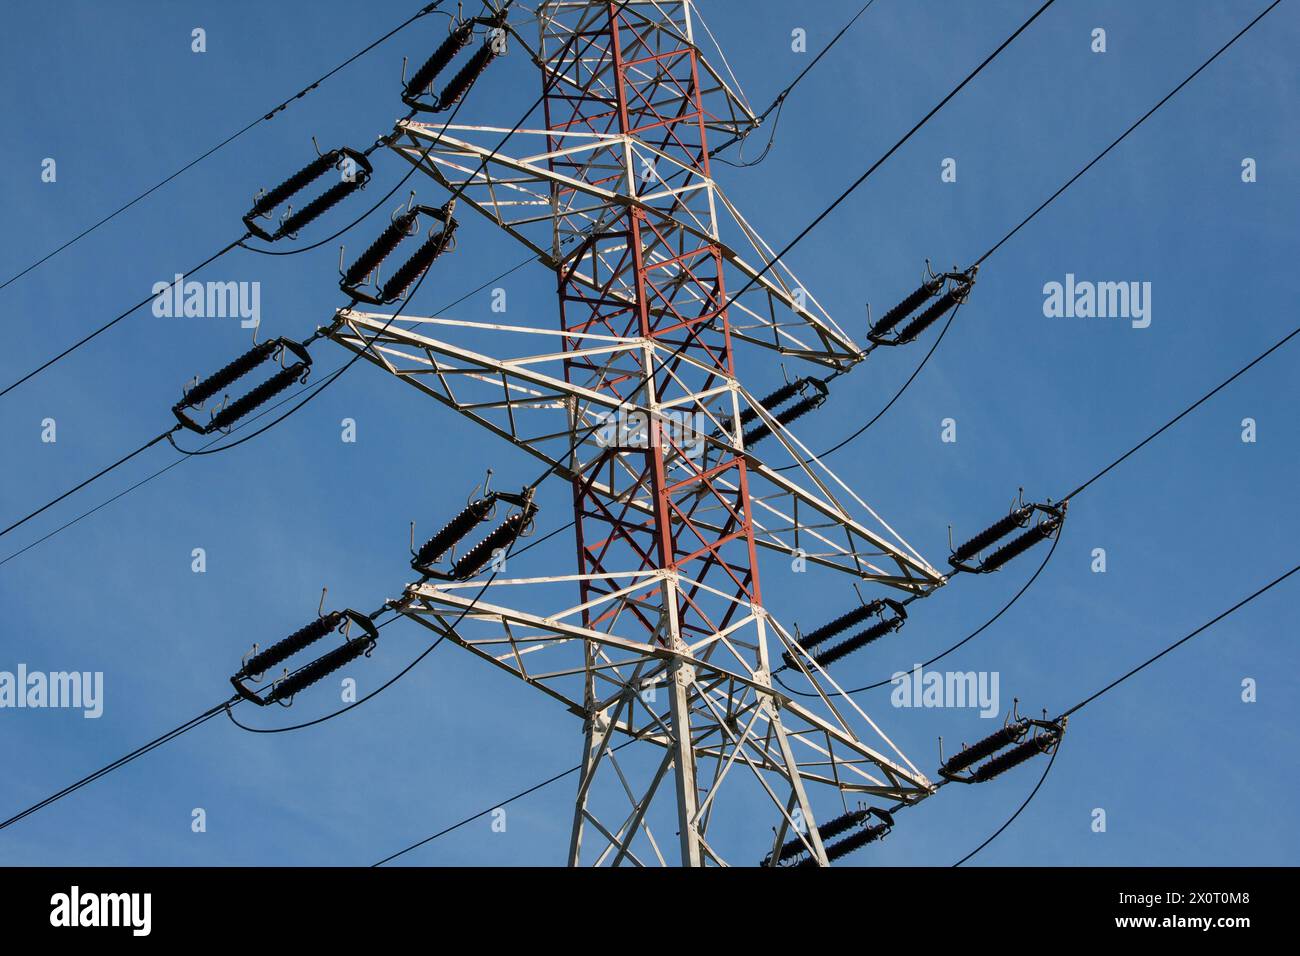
[[682, 676], [590, 752]]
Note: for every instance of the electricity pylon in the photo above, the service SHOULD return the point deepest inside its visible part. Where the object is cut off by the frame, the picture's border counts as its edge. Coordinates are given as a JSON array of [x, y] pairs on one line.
[[638, 406]]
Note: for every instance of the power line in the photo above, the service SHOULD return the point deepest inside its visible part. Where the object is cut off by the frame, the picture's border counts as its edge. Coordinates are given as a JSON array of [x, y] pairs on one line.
[[156, 474], [566, 773], [812, 63], [1066, 185], [1029, 799], [500, 803], [146, 480], [185, 727], [778, 103], [1181, 641], [109, 324], [109, 501], [99, 474], [122, 761], [1142, 119], [225, 142], [1188, 410], [890, 152], [1115, 683], [1155, 434]]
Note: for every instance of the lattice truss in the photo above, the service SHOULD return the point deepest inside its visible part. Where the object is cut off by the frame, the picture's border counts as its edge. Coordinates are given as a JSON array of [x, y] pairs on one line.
[[557, 187], [638, 406]]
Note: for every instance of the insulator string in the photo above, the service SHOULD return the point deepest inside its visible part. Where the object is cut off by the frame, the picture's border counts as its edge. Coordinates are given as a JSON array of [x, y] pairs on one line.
[[261, 118]]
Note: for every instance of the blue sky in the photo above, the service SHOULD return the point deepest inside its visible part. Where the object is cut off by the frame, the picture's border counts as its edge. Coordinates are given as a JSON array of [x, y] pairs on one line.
[[1186, 772]]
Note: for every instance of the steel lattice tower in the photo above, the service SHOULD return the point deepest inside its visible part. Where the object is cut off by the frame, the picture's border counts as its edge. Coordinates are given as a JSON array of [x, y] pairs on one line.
[[669, 643]]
